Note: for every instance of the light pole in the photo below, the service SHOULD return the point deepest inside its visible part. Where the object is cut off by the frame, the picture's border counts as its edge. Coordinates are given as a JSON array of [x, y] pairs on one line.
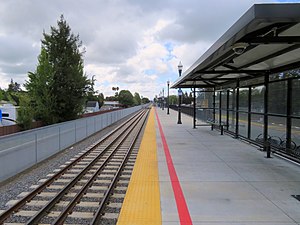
[[163, 99], [160, 105], [168, 83], [179, 94]]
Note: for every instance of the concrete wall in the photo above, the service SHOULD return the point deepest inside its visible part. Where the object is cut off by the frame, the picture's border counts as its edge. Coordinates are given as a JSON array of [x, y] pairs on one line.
[[24, 149]]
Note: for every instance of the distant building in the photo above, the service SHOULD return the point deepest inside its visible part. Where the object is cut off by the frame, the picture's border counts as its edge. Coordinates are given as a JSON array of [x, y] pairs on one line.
[[92, 106], [110, 105], [8, 114]]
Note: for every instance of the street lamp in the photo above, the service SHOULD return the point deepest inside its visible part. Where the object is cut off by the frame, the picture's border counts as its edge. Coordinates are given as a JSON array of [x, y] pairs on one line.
[[179, 94], [168, 83]]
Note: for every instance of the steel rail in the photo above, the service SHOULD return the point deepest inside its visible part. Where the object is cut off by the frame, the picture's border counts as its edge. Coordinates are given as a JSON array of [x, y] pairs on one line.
[[40, 214], [5, 215], [98, 214], [76, 199]]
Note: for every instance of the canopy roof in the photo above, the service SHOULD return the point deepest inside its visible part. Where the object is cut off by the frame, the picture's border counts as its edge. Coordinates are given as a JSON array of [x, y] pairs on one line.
[[265, 40]]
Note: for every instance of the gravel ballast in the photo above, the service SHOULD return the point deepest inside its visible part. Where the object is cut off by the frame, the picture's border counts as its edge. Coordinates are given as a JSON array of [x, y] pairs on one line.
[[12, 187]]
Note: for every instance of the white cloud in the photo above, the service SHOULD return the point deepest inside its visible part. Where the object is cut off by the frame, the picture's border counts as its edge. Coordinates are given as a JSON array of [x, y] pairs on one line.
[[188, 53], [131, 43]]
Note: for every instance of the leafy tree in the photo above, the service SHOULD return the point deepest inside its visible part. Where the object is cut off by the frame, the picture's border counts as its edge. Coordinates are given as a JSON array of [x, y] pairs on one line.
[[2, 92], [173, 99], [13, 86], [25, 112], [101, 99], [115, 88], [126, 98], [187, 98], [6, 96], [111, 98], [145, 100], [58, 86], [12, 94], [14, 98], [137, 99], [91, 93], [91, 97]]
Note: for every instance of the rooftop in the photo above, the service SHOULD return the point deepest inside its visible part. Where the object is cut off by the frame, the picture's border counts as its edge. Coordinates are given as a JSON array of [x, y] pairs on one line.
[[265, 40]]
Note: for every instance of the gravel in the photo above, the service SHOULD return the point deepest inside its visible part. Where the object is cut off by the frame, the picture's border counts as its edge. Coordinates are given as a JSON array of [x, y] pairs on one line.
[[22, 182], [12, 187]]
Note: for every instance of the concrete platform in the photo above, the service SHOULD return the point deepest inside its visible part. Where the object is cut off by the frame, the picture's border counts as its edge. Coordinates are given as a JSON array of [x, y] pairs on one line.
[[224, 181]]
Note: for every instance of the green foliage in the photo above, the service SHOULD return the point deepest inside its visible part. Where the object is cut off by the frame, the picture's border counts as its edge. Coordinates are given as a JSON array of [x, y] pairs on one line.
[[187, 98], [1, 94], [12, 94], [91, 97], [39, 89], [173, 99], [13, 86], [126, 98], [58, 86], [91, 93], [137, 99], [111, 98], [145, 100], [101, 99], [25, 113]]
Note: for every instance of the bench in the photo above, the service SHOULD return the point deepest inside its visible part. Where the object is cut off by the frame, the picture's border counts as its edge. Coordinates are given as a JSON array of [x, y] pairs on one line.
[[217, 124]]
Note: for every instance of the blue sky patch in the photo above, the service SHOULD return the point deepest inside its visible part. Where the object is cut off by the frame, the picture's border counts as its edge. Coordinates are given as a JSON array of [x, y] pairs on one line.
[[150, 72], [288, 0]]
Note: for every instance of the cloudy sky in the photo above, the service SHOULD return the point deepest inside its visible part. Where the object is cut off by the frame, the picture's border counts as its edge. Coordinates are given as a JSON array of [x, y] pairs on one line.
[[131, 44]]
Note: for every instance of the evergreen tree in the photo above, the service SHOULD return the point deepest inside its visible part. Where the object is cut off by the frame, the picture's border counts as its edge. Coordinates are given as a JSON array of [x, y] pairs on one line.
[[39, 89], [25, 113], [13, 86], [58, 87]]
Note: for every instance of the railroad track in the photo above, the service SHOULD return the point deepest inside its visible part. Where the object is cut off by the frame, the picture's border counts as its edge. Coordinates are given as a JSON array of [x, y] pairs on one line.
[[89, 189]]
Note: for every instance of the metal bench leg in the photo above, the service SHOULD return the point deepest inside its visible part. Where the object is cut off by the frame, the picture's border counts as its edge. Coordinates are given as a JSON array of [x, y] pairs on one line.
[[267, 148]]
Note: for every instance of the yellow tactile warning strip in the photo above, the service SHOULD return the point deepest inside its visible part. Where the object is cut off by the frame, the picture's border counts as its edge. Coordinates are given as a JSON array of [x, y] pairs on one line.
[[141, 205]]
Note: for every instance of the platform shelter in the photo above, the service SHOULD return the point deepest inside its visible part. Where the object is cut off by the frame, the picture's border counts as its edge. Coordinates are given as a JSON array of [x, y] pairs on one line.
[[248, 82]]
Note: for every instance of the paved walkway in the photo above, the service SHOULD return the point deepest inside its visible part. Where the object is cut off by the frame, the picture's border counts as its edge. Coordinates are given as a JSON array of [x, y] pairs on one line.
[[224, 181]]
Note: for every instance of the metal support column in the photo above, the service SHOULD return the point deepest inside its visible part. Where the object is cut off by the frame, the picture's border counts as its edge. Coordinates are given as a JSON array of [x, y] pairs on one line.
[[227, 110], [237, 102], [214, 105], [220, 107], [168, 84], [194, 121], [267, 147], [289, 113], [163, 99], [249, 113], [179, 109]]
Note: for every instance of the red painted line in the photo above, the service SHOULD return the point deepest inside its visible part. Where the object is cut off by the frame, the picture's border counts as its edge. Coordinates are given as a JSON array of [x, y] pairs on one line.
[[183, 211]]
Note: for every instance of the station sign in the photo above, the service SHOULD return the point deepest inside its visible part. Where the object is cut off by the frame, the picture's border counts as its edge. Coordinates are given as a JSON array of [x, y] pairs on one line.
[[179, 92]]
